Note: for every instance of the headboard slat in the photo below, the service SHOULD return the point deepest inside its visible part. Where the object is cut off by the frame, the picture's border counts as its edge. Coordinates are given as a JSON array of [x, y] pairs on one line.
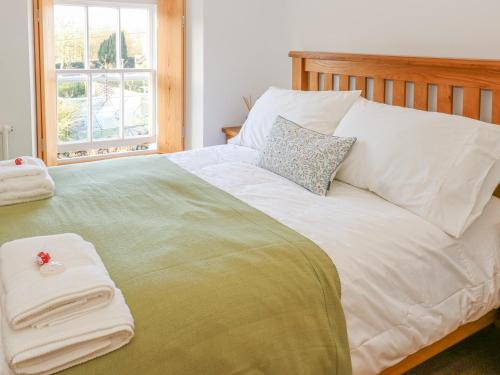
[[313, 81], [379, 90], [421, 96], [344, 83], [445, 99], [470, 74], [327, 82], [472, 102], [496, 107], [361, 85], [399, 93]]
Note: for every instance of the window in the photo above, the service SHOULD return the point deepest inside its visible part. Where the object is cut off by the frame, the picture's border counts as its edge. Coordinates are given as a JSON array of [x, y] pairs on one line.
[[106, 79], [94, 87]]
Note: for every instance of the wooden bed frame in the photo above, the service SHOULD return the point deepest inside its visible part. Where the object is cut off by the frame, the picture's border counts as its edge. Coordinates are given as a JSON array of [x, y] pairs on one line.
[[434, 81]]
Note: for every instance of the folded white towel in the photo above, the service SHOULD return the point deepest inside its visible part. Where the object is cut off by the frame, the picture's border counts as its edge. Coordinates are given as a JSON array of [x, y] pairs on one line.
[[24, 183], [32, 299], [4, 367], [26, 189], [28, 184], [55, 348], [30, 167], [9, 199]]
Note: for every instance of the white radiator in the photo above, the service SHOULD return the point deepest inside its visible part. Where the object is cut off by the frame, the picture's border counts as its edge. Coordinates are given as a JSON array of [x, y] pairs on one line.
[[5, 130]]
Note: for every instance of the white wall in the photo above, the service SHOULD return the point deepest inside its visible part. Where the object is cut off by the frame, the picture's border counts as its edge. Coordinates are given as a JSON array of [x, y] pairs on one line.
[[442, 28], [242, 48], [16, 74]]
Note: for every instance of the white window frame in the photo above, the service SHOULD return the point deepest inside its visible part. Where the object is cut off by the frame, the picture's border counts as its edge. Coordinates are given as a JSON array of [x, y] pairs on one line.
[[92, 144]]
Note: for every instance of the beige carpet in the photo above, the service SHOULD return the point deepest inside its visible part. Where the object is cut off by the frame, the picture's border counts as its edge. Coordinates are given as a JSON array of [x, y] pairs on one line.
[[478, 355]]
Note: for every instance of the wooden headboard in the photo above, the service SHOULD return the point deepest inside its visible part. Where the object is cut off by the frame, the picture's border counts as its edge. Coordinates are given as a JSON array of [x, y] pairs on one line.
[[465, 87]]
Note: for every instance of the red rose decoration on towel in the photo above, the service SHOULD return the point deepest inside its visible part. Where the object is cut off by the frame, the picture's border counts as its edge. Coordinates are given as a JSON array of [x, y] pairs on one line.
[[43, 258], [19, 161]]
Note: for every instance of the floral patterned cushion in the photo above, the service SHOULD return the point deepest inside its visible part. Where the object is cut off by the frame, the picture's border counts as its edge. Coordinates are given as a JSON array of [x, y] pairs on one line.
[[303, 156]]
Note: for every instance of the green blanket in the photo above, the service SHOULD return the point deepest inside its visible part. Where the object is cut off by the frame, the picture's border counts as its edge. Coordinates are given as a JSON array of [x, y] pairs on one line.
[[214, 285]]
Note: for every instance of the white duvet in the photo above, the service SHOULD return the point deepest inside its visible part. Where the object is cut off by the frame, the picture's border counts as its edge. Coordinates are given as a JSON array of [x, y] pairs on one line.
[[405, 283]]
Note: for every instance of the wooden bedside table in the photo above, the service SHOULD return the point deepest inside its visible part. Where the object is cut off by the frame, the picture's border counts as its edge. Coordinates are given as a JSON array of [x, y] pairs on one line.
[[231, 132]]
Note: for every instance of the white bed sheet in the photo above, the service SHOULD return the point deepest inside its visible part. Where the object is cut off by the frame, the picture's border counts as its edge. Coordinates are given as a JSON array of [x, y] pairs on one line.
[[405, 283]]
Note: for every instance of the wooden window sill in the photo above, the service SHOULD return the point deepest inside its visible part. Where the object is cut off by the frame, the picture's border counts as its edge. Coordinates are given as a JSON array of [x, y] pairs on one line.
[[88, 159]]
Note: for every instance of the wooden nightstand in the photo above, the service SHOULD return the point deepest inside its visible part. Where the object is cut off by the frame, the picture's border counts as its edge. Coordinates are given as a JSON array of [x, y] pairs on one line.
[[231, 132]]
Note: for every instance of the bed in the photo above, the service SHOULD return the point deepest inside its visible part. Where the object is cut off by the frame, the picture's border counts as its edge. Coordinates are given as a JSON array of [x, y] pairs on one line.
[[409, 290]]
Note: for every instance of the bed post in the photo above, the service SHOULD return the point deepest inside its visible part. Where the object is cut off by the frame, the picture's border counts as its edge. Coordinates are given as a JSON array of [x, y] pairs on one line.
[[299, 74]]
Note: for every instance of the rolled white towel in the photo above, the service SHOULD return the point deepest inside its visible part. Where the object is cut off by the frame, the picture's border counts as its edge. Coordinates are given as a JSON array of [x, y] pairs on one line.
[[32, 299], [55, 348], [29, 167]]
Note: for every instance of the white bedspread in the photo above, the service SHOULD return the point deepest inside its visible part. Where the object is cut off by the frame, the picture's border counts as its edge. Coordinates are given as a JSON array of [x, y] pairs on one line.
[[405, 283]]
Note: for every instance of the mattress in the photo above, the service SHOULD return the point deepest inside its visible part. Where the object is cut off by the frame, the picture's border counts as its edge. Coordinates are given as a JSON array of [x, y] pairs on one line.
[[405, 283]]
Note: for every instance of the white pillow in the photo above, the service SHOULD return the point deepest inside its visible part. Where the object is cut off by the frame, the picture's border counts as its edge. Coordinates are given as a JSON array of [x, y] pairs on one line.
[[320, 111], [489, 186], [432, 164]]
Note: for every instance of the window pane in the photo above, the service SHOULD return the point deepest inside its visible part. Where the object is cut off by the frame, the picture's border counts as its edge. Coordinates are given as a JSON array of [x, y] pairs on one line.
[[106, 106], [72, 108], [69, 29], [103, 24], [137, 108], [136, 43]]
